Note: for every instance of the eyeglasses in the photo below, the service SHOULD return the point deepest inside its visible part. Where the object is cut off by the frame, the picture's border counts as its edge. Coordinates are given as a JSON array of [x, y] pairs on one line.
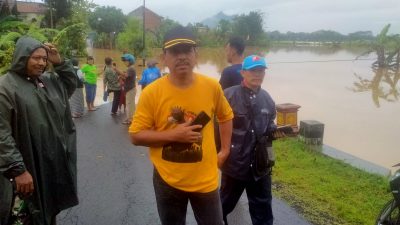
[[257, 71], [38, 58]]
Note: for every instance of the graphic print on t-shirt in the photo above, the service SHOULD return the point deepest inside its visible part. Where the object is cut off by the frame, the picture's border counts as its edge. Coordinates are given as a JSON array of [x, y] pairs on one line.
[[182, 152]]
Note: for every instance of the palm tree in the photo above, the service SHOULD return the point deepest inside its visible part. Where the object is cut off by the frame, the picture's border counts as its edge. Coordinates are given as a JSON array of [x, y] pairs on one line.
[[387, 49]]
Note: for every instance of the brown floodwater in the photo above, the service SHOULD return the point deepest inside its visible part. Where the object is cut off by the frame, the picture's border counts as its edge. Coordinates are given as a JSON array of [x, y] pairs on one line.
[[358, 105]]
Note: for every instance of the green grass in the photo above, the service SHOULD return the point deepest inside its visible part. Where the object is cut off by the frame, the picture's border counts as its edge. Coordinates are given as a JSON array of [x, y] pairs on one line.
[[325, 190]]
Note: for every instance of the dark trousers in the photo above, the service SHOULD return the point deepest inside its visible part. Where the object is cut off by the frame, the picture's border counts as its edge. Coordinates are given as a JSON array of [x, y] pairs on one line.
[[115, 102], [258, 194], [172, 204]]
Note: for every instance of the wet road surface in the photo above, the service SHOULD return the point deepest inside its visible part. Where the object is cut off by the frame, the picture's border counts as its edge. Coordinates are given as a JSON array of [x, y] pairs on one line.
[[115, 180]]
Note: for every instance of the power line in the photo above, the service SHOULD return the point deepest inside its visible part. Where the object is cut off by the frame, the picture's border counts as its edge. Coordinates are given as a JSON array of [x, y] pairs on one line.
[[321, 61]]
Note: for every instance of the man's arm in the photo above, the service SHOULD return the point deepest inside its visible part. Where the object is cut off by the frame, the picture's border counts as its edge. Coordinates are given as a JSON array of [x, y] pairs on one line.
[[182, 133], [120, 73], [223, 81], [225, 130], [11, 162], [64, 69], [67, 76], [105, 80]]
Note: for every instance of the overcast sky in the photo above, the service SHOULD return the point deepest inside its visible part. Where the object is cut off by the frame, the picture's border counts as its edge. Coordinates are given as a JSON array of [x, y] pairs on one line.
[[344, 16]]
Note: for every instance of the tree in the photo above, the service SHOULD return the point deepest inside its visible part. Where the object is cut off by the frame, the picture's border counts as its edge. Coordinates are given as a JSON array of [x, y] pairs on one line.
[[59, 10], [131, 39], [80, 11], [158, 35], [4, 9], [71, 41], [108, 20], [360, 35], [224, 29], [250, 26]]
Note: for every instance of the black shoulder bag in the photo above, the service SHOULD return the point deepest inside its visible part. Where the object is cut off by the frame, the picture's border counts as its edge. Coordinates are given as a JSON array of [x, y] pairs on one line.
[[264, 158]]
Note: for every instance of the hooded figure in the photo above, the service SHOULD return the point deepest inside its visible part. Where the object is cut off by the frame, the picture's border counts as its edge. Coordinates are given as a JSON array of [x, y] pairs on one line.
[[37, 134]]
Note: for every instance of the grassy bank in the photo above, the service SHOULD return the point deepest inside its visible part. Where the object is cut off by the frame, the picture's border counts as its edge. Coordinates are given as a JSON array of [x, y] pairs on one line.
[[325, 190]]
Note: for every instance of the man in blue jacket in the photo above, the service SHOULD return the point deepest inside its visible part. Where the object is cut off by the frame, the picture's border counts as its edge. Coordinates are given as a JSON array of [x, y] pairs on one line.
[[150, 74], [254, 112]]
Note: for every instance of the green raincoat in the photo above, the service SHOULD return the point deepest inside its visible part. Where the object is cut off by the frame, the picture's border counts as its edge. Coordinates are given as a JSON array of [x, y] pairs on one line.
[[37, 134]]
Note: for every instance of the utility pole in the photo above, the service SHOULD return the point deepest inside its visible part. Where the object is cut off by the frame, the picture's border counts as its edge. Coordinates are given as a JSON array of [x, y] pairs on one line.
[[51, 14], [144, 34]]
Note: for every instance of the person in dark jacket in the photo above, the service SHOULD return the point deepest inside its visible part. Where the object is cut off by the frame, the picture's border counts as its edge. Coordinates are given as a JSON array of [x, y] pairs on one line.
[[130, 86], [231, 75], [37, 133], [234, 54], [254, 112]]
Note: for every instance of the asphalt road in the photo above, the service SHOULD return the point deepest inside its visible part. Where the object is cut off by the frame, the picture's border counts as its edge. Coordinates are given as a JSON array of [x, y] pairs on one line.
[[115, 180]]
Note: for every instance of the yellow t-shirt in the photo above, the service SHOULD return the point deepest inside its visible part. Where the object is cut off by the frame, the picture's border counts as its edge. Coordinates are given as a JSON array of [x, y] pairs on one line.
[[161, 106]]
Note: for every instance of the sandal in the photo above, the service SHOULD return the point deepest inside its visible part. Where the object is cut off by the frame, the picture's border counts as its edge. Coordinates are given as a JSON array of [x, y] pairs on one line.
[[126, 122]]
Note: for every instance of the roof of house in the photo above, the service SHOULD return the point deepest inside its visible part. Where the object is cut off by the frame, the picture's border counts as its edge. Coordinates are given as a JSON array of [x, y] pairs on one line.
[[138, 12], [31, 7]]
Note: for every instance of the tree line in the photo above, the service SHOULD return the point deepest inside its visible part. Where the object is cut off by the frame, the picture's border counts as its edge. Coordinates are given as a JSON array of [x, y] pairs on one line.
[[321, 36]]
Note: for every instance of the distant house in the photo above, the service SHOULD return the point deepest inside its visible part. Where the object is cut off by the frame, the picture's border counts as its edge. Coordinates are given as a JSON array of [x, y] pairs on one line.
[[31, 10], [152, 20], [26, 10]]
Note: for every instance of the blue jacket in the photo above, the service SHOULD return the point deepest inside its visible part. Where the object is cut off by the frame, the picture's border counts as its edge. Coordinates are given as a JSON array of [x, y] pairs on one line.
[[242, 101], [149, 75]]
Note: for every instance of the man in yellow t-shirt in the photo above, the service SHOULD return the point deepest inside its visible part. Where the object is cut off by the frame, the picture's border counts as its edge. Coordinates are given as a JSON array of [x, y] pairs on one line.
[[184, 155]]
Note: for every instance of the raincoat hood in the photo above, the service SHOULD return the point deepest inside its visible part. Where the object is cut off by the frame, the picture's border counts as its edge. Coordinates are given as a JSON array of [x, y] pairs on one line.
[[24, 48]]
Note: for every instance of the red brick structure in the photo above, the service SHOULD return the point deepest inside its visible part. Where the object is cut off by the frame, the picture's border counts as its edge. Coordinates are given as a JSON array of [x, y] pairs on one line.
[[27, 10], [31, 7], [152, 20]]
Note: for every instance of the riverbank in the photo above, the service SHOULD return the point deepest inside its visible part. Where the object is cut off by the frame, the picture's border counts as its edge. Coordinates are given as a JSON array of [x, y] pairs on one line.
[[326, 190]]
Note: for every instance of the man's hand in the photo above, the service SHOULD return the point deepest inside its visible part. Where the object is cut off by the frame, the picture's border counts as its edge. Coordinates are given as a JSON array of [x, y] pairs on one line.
[[53, 55], [24, 183], [185, 133], [225, 131], [222, 156], [278, 134]]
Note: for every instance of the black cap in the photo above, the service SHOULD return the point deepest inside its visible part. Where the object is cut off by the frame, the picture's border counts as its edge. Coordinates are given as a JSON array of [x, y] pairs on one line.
[[179, 35]]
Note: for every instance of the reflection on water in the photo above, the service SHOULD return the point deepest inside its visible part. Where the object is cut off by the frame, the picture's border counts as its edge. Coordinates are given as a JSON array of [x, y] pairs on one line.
[[384, 85], [359, 106]]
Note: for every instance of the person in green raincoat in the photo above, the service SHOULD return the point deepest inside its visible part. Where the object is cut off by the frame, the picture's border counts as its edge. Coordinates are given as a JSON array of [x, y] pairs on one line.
[[37, 134]]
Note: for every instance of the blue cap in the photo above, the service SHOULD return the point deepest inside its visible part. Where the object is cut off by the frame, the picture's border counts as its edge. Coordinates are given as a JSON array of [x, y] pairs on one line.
[[128, 57], [253, 61]]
